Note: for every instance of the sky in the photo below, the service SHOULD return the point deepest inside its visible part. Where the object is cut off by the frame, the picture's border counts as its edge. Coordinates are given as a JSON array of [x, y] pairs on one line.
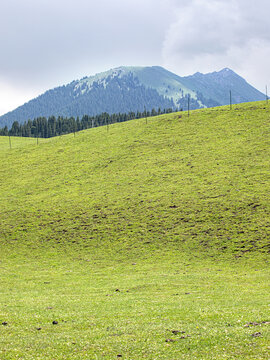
[[48, 43]]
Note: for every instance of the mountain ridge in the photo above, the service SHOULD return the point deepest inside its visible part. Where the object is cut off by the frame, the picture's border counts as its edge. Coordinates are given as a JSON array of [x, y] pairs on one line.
[[133, 88]]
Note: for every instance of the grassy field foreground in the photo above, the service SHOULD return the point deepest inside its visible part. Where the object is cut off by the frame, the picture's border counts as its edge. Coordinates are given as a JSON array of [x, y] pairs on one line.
[[147, 241]]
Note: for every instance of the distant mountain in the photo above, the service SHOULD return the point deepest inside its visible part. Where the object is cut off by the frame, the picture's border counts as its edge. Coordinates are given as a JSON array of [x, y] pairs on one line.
[[127, 89], [216, 86]]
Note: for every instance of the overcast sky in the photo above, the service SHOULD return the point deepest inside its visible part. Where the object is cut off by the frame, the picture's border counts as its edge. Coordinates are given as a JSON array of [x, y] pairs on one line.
[[47, 43]]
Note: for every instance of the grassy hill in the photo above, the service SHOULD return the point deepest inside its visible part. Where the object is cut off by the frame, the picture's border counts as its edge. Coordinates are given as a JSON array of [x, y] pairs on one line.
[[173, 213]]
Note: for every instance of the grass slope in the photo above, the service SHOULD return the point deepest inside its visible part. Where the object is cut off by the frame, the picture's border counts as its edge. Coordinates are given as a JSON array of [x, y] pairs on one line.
[[173, 213]]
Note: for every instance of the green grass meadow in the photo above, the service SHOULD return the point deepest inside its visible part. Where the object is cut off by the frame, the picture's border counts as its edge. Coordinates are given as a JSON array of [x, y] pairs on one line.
[[141, 241]]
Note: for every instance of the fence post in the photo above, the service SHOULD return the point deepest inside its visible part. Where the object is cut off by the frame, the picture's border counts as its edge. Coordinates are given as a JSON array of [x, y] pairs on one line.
[[145, 115]]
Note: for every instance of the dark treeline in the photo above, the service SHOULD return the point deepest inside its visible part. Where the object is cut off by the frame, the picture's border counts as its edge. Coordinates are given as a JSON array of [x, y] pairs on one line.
[[46, 128]]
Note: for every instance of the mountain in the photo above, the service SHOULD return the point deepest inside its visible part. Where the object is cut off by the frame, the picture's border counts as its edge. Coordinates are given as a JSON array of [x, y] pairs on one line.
[[127, 89], [216, 86]]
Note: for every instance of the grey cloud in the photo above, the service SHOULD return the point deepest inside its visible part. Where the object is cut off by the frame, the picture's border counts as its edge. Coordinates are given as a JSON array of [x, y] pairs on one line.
[[42, 39], [210, 34], [45, 43]]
